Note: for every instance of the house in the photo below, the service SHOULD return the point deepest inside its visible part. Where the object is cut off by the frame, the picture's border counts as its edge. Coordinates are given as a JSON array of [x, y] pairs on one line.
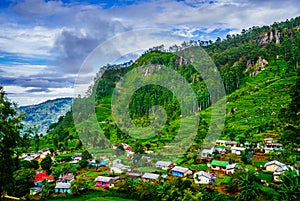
[[270, 145], [218, 165], [181, 171], [207, 153], [231, 144], [32, 157], [237, 150], [98, 164], [134, 175], [106, 182], [63, 188], [44, 152], [273, 165], [40, 177], [35, 190], [76, 158], [126, 147], [163, 165], [230, 168], [118, 168], [220, 149], [203, 178], [66, 178], [149, 176], [221, 142]]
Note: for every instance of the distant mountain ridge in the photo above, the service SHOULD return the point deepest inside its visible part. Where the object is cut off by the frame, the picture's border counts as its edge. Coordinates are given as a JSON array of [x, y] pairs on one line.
[[43, 114]]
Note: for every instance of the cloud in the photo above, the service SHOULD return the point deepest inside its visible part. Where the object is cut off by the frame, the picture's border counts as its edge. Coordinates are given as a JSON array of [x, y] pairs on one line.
[[28, 41], [45, 42], [34, 90]]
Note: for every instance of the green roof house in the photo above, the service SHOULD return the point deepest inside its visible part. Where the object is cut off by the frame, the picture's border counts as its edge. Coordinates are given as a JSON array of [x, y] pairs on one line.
[[218, 165]]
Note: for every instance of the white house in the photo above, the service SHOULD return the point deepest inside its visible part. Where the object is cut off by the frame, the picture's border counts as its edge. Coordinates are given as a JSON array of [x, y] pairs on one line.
[[150, 176], [273, 165], [237, 150], [164, 165], [207, 153], [202, 178], [230, 168], [118, 168]]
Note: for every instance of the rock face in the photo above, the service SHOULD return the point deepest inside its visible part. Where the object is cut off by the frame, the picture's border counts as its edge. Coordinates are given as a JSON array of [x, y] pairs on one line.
[[257, 67], [269, 37]]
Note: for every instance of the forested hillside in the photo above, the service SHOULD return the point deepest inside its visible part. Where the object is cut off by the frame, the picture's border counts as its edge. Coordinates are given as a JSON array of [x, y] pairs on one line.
[[46, 113], [259, 71]]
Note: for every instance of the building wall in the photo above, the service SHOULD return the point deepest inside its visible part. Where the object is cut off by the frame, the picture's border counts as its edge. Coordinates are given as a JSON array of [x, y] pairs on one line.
[[201, 180], [178, 174], [230, 172], [62, 190], [272, 167]]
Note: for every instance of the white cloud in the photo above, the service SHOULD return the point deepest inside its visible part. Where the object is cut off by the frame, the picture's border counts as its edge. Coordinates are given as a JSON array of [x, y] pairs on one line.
[[26, 40], [69, 32], [17, 70]]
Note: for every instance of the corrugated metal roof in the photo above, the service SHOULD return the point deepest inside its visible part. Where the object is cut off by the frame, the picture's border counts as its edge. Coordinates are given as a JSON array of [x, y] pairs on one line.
[[219, 163], [163, 163], [63, 185], [180, 169], [202, 173], [148, 175], [276, 163], [103, 179]]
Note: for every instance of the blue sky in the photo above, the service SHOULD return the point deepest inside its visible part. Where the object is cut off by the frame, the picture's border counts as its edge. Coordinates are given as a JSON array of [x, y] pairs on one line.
[[44, 42]]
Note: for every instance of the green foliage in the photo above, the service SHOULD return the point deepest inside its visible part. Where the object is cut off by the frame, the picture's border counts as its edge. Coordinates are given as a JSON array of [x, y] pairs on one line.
[[86, 155], [83, 163], [10, 125], [42, 115], [290, 187], [23, 180], [46, 164], [29, 164]]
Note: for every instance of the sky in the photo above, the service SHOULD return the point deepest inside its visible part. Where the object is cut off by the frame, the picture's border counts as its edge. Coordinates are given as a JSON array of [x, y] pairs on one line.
[[43, 43]]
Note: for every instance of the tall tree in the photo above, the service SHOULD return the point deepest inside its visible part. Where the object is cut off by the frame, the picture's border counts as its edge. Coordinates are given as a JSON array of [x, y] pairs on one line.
[[10, 125], [46, 164]]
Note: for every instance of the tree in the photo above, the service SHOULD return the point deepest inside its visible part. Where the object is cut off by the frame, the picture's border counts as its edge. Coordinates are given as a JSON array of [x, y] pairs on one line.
[[46, 164], [86, 155], [10, 125], [246, 182], [23, 180], [36, 142], [83, 163], [29, 164], [138, 148], [290, 186]]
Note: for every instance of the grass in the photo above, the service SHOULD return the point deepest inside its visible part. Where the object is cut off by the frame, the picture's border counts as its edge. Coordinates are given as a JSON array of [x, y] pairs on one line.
[[91, 196], [258, 101], [265, 176], [226, 180], [259, 163]]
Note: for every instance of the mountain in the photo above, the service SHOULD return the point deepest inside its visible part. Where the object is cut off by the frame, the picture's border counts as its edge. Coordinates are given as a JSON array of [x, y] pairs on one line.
[[258, 68], [43, 114]]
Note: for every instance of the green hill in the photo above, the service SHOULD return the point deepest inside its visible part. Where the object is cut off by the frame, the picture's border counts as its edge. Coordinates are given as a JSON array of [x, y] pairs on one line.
[[46, 113], [259, 71]]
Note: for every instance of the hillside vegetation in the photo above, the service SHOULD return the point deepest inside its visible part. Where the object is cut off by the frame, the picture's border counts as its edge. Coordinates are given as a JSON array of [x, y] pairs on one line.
[[259, 71]]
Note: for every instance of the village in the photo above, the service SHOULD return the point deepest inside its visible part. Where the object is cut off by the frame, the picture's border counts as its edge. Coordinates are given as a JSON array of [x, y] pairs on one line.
[[216, 166]]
